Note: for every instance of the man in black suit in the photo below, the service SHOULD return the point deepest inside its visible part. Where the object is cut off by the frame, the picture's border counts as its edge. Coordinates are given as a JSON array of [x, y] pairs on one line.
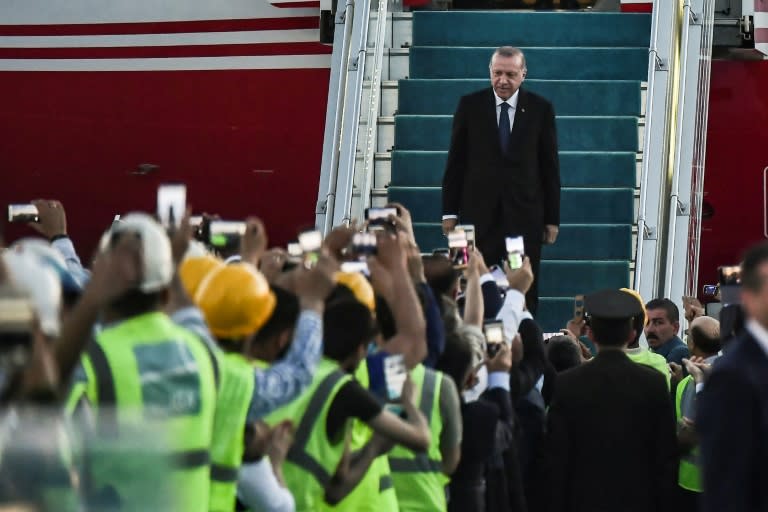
[[732, 415], [611, 437], [503, 171]]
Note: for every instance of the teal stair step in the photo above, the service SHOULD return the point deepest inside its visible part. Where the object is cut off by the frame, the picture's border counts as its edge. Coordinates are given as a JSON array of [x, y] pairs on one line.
[[569, 97], [615, 133], [577, 168], [543, 63], [570, 278], [493, 28], [575, 242], [577, 205], [554, 313]]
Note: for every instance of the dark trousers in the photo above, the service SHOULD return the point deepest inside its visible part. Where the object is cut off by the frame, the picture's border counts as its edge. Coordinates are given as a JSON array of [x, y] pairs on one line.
[[492, 245]]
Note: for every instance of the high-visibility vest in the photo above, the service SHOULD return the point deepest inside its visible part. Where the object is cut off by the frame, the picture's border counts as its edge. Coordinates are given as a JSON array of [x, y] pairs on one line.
[[234, 397], [375, 492], [313, 458], [689, 472], [652, 360], [418, 477], [153, 384]]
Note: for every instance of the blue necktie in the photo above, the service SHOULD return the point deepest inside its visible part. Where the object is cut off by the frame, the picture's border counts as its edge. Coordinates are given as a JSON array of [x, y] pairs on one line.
[[504, 130]]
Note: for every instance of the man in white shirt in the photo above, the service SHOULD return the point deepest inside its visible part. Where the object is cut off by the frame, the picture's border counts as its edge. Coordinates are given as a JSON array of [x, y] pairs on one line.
[[502, 172]]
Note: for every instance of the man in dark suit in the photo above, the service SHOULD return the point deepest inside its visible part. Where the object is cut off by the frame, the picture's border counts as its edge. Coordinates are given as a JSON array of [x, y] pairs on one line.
[[732, 415], [611, 437], [503, 171]]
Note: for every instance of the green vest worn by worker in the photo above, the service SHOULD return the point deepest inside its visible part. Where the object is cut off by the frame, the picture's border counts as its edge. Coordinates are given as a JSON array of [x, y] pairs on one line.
[[647, 358], [154, 387], [375, 492], [234, 397], [689, 474], [312, 459], [418, 477]]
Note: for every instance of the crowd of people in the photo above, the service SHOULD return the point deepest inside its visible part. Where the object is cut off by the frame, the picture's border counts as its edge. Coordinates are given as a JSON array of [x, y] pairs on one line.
[[171, 376]]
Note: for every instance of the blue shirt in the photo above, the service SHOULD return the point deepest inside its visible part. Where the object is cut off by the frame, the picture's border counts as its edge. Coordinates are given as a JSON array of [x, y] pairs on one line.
[[673, 351], [285, 379]]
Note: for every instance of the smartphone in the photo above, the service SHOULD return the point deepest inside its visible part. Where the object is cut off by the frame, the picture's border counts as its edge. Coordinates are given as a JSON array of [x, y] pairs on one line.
[[351, 267], [395, 374], [442, 252], [23, 213], [171, 203], [578, 308], [469, 230], [363, 245], [378, 218], [310, 242], [710, 290], [500, 277], [225, 233], [549, 335], [515, 252], [115, 221], [494, 337], [458, 248]]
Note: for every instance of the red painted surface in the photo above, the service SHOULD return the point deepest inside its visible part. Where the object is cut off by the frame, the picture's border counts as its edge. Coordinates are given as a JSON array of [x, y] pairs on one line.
[[244, 141], [177, 51], [637, 7], [737, 133], [160, 27]]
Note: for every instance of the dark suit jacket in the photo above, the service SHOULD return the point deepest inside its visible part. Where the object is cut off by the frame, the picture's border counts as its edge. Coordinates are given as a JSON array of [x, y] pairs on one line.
[[611, 440], [732, 421], [525, 182]]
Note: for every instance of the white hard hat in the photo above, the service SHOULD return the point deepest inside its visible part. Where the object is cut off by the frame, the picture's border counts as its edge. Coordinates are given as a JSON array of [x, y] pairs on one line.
[[51, 257], [156, 247], [39, 282]]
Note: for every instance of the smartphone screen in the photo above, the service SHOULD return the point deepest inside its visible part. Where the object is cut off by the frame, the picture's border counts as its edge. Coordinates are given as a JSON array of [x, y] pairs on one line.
[[22, 213], [225, 233], [494, 337], [351, 267], [310, 242], [458, 248], [395, 374], [515, 252], [578, 307], [363, 245], [171, 204]]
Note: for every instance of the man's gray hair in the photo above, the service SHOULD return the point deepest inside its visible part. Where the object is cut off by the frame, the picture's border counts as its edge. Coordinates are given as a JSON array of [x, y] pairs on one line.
[[508, 51]]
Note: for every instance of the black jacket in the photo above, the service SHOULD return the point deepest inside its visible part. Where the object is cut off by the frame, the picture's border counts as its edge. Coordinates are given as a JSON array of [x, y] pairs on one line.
[[480, 181], [611, 438]]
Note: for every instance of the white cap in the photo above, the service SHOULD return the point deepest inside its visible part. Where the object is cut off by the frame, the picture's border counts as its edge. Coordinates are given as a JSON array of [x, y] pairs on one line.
[[156, 248], [40, 283]]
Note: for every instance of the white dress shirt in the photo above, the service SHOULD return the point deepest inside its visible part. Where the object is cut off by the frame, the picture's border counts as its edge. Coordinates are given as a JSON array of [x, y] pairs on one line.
[[759, 333], [512, 102]]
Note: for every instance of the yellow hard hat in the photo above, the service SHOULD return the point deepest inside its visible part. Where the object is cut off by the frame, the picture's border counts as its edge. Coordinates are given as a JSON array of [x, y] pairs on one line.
[[636, 295], [360, 287], [192, 271], [236, 301]]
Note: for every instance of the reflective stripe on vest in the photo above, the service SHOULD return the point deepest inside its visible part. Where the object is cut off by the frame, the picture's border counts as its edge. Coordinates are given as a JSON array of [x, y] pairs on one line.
[[298, 454], [235, 392], [689, 472], [421, 463], [153, 386], [418, 477]]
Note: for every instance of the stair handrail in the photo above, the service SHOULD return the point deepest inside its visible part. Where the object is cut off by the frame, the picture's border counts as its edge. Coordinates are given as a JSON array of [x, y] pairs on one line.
[[684, 217], [654, 147], [365, 181]]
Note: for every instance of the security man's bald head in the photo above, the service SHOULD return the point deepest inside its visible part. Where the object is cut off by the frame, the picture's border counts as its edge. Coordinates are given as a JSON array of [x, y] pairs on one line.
[[704, 338]]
